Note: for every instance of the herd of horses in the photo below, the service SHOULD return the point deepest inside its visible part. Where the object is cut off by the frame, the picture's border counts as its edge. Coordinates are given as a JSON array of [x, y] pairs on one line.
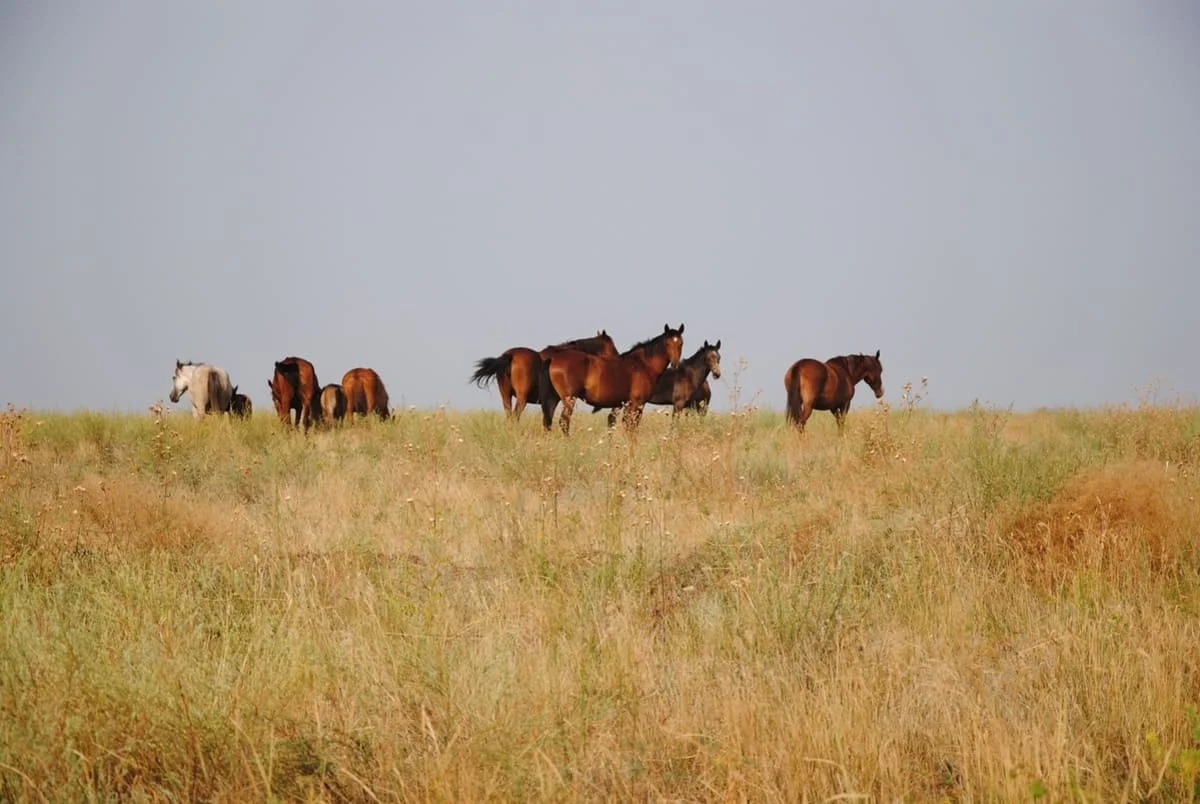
[[294, 389], [592, 370]]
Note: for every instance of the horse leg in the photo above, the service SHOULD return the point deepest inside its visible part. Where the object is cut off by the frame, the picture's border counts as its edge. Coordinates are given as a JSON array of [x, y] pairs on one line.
[[633, 415], [565, 419], [504, 383], [514, 413], [839, 415], [806, 409], [612, 417]]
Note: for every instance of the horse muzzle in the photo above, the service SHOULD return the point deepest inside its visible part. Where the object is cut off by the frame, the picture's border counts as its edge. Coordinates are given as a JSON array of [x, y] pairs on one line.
[[879, 392], [174, 395]]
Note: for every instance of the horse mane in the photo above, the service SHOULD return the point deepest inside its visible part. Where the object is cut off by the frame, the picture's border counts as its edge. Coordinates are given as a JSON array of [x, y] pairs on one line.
[[698, 355], [650, 343], [646, 344], [853, 363], [599, 337]]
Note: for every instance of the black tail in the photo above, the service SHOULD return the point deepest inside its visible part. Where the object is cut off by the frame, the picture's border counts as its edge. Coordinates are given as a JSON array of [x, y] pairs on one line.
[[546, 394], [490, 368]]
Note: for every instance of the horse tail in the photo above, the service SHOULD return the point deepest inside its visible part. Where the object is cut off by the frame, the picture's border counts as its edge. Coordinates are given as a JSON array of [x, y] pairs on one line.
[[547, 394], [490, 368], [795, 402], [220, 397]]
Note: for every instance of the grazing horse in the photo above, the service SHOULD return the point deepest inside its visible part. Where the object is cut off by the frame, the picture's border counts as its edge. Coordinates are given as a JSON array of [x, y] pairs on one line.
[[516, 371], [208, 385], [607, 382], [295, 387], [333, 403], [364, 393], [813, 385], [240, 405]]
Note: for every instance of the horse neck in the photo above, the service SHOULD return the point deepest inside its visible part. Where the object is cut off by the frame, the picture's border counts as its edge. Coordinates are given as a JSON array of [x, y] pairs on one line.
[[696, 367], [653, 355], [856, 368]]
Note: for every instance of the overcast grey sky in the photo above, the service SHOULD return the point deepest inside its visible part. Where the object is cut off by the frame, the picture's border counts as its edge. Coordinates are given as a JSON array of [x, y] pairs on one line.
[[1002, 196]]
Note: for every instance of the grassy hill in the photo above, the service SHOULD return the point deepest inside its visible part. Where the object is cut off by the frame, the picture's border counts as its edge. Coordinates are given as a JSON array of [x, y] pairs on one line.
[[968, 604]]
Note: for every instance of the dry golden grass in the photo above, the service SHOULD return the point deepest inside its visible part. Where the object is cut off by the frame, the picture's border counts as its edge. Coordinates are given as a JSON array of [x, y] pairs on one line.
[[970, 605]]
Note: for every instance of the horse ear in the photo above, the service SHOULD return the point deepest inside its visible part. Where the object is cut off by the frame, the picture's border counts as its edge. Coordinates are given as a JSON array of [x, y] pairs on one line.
[[681, 329], [271, 385], [717, 345], [876, 354], [178, 363], [705, 346], [666, 327]]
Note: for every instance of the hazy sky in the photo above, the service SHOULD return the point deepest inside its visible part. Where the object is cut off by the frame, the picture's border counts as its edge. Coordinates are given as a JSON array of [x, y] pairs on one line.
[[1002, 196]]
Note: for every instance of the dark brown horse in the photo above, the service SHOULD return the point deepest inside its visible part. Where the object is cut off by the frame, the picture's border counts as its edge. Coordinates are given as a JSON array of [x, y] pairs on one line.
[[240, 405], [517, 370], [295, 387], [813, 385], [333, 404], [365, 393], [607, 382], [685, 387]]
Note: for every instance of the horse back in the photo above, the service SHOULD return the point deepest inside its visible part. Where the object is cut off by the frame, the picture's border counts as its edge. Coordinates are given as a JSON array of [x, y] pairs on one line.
[[297, 380], [826, 383], [333, 402], [365, 392]]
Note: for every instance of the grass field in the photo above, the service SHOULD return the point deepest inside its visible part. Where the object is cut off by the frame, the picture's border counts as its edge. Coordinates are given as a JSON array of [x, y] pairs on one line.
[[971, 604]]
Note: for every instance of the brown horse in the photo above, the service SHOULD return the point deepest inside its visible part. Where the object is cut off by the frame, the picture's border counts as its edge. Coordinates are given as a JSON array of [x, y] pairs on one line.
[[516, 371], [364, 393], [240, 405], [607, 382], [333, 403], [685, 387], [295, 387], [813, 385]]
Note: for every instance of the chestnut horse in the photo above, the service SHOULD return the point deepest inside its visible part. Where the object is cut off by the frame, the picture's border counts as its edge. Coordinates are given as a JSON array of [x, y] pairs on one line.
[[607, 382], [516, 371], [240, 405], [364, 393], [295, 387], [333, 403], [813, 385], [686, 386]]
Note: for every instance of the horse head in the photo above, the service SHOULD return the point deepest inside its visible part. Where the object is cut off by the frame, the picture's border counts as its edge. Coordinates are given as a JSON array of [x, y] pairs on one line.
[[673, 342], [712, 357], [871, 370], [179, 380]]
